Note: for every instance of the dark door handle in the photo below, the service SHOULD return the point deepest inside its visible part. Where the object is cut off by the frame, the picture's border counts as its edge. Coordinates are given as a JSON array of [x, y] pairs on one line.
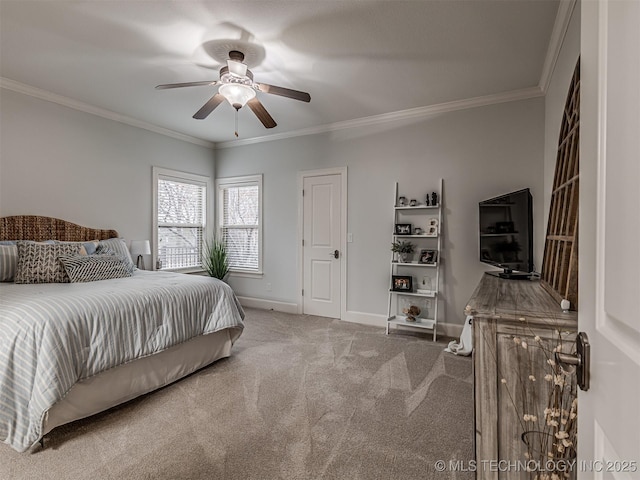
[[580, 360], [336, 254]]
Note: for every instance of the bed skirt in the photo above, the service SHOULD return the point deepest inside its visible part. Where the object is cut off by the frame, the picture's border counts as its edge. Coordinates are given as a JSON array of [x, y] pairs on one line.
[[126, 382]]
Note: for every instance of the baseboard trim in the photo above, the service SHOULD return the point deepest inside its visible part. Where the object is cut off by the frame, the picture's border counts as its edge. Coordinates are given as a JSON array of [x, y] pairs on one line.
[[264, 304], [371, 319]]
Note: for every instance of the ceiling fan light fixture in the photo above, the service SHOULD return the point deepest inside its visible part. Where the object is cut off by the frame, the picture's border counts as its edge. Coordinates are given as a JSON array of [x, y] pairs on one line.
[[237, 68], [237, 94]]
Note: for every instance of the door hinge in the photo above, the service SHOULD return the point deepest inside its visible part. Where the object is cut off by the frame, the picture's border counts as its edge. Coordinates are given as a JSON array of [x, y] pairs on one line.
[[303, 292], [303, 192], [303, 242]]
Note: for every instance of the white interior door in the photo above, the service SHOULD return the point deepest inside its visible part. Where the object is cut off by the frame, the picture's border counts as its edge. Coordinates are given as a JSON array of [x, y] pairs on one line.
[[609, 413], [322, 206]]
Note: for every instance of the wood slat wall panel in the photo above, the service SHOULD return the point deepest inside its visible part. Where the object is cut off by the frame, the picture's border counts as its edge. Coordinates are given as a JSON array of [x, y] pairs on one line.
[[560, 263]]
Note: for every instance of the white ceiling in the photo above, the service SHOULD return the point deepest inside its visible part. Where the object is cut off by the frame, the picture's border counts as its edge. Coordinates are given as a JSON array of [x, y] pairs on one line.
[[357, 58]]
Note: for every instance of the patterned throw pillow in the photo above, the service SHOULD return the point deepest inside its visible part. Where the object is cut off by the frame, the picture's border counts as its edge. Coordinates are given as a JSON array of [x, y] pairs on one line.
[[38, 262], [119, 246], [8, 262], [88, 248], [90, 268]]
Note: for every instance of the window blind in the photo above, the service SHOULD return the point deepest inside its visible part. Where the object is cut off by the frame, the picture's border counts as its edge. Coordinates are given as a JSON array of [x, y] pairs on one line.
[[240, 225], [181, 222]]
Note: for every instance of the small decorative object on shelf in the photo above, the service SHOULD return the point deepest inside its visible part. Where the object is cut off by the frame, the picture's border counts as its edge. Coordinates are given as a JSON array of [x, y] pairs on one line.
[[417, 307], [402, 283], [412, 312], [426, 293], [402, 249], [428, 257], [403, 229]]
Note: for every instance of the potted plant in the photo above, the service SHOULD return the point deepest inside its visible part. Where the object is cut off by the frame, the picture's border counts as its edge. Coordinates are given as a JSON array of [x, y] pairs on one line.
[[402, 249], [214, 259]]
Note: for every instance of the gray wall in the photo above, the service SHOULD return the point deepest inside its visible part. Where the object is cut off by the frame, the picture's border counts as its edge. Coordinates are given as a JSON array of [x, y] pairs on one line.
[[60, 162], [480, 153]]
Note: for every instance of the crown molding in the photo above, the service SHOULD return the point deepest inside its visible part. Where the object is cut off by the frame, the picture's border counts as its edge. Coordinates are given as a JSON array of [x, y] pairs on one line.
[[412, 113], [101, 112], [558, 34]]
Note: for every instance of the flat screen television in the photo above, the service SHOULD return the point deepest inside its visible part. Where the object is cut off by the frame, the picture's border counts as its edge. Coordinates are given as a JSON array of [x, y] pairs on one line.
[[506, 234]]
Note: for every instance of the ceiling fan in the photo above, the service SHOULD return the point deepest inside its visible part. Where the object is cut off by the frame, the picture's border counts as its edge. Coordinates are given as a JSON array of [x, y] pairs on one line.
[[236, 85]]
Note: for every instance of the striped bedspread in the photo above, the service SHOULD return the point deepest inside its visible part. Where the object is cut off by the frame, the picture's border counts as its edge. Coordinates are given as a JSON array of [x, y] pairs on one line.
[[52, 335]]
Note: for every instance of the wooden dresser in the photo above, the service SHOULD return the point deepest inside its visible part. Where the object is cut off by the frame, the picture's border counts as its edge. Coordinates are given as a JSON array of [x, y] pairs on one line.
[[507, 313]]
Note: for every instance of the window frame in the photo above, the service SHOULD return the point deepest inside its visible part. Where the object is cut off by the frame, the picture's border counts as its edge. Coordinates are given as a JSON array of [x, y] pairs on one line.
[[160, 173], [241, 181]]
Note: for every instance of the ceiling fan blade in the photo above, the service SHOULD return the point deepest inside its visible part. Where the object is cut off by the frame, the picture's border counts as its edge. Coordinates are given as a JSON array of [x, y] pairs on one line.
[[284, 92], [209, 107], [188, 84], [262, 114]]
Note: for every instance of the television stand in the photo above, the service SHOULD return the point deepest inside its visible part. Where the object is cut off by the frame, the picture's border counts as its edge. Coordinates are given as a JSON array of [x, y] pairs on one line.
[[510, 275]]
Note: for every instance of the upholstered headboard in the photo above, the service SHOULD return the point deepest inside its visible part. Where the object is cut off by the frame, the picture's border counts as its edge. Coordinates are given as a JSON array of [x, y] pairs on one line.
[[39, 229]]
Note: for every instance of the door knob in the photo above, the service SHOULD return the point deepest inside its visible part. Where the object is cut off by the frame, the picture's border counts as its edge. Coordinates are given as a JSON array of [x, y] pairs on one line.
[[335, 254], [580, 360]]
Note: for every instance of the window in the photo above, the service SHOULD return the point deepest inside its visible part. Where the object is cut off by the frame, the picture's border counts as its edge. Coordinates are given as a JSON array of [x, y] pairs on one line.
[[240, 221], [180, 219]]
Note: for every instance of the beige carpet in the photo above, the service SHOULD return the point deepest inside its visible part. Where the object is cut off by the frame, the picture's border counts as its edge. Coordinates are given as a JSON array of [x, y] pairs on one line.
[[301, 398]]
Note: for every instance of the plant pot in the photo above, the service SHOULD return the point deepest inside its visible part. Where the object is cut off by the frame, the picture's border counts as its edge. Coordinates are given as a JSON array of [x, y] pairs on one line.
[[403, 257]]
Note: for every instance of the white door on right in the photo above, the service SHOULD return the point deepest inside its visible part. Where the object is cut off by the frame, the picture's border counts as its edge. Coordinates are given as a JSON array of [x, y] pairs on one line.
[[609, 412]]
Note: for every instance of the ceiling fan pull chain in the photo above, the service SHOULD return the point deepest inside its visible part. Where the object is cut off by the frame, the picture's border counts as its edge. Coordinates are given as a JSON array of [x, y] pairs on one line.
[[236, 123]]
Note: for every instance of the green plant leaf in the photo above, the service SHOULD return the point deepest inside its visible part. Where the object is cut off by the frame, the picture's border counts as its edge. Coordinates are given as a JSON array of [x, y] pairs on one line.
[[402, 247], [215, 261]]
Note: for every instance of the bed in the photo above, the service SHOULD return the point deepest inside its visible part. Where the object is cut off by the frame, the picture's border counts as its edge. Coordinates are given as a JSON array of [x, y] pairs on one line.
[[70, 350]]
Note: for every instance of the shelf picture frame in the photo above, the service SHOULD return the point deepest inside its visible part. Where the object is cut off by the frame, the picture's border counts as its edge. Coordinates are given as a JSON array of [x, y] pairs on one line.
[[428, 256], [402, 229], [402, 283]]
